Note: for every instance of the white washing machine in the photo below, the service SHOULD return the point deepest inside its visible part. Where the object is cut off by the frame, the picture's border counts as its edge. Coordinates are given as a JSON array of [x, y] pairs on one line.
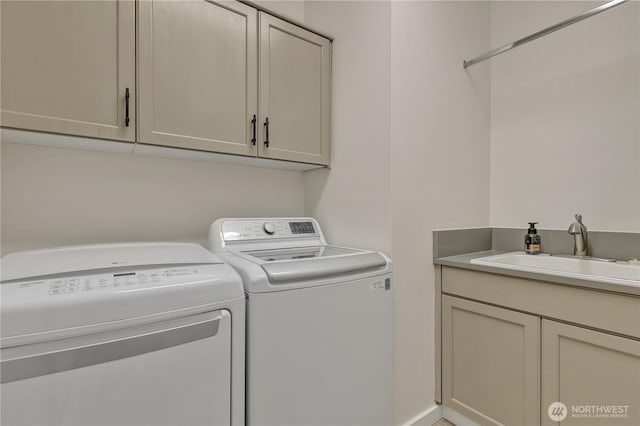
[[318, 323], [121, 334]]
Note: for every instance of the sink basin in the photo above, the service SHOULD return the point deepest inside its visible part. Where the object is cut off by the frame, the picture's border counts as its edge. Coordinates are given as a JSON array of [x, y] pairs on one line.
[[610, 272]]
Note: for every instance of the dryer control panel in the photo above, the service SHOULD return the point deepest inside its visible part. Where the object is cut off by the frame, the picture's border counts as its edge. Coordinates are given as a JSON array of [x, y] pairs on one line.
[[124, 280], [108, 283]]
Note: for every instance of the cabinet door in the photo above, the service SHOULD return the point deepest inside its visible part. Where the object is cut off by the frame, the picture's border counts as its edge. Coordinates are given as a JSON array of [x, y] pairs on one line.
[[66, 66], [295, 90], [197, 77], [594, 374], [490, 362]]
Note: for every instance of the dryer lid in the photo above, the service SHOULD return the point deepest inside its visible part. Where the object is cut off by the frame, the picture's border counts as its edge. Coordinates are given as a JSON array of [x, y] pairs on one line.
[[97, 257], [71, 291]]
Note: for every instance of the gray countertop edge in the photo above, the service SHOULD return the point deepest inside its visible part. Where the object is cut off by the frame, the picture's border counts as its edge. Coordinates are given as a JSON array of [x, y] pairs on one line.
[[464, 261]]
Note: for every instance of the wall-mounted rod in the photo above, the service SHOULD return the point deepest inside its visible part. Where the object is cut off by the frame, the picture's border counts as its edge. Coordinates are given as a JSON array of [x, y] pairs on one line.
[[556, 27]]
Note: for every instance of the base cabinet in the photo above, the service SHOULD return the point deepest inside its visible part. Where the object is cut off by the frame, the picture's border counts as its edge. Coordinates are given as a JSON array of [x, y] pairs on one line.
[[595, 375], [490, 362], [519, 352]]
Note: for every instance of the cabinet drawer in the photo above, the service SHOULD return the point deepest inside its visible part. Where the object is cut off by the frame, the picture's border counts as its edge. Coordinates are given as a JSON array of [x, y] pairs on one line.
[[612, 312]]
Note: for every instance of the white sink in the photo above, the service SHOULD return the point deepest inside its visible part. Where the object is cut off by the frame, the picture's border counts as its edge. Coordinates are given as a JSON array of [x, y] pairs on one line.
[[595, 270]]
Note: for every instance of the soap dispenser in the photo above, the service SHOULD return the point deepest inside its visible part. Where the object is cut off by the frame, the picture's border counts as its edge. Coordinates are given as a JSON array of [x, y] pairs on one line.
[[532, 240]]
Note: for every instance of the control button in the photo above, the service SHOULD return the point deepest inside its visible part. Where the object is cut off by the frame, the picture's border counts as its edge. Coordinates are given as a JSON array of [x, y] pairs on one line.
[[88, 285], [55, 290], [269, 228]]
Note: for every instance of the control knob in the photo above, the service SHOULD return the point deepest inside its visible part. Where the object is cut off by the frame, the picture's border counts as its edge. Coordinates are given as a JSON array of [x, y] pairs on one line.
[[269, 228]]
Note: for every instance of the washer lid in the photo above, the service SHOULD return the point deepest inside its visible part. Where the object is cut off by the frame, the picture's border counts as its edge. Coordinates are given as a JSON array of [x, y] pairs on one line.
[[284, 266], [295, 253]]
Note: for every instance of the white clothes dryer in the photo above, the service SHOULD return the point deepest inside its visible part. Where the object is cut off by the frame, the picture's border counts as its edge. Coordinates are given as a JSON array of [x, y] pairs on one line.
[[319, 342], [121, 334]]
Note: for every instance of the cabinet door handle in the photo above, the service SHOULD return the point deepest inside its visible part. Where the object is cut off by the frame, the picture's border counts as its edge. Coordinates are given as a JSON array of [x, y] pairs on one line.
[[266, 125], [126, 107], [253, 123]]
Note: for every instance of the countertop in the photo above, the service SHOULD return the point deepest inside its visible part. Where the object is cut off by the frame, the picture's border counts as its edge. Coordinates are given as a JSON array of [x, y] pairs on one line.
[[464, 261]]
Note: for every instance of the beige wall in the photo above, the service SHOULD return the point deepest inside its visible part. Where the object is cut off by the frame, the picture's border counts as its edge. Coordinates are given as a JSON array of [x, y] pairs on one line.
[[54, 197], [291, 8], [440, 167], [352, 200], [565, 117], [410, 153]]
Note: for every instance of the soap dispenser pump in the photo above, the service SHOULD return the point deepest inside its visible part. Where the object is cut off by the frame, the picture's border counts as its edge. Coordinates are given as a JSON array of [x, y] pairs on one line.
[[532, 240]]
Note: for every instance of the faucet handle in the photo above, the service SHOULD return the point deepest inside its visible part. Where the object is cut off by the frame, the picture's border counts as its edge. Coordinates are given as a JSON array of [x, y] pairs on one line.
[[579, 218]]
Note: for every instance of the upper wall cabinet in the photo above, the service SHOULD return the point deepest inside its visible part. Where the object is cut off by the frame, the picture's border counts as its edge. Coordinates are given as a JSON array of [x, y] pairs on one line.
[[197, 63], [295, 90], [212, 75], [67, 67]]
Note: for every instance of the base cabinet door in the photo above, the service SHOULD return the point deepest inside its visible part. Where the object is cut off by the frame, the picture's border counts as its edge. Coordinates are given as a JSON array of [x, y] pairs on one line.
[[197, 75], [594, 375], [295, 90], [69, 67], [490, 363]]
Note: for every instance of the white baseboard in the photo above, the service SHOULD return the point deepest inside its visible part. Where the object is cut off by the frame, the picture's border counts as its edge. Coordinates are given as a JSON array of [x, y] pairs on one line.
[[431, 415], [427, 417], [456, 418]]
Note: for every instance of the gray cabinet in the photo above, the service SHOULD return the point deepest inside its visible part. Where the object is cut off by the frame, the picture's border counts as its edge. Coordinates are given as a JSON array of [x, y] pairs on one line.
[[67, 67], [214, 76], [490, 370], [595, 375], [510, 347], [200, 90], [197, 64], [295, 90]]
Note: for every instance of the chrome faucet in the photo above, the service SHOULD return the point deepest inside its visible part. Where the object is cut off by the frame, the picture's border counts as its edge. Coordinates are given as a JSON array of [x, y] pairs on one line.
[[580, 241]]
